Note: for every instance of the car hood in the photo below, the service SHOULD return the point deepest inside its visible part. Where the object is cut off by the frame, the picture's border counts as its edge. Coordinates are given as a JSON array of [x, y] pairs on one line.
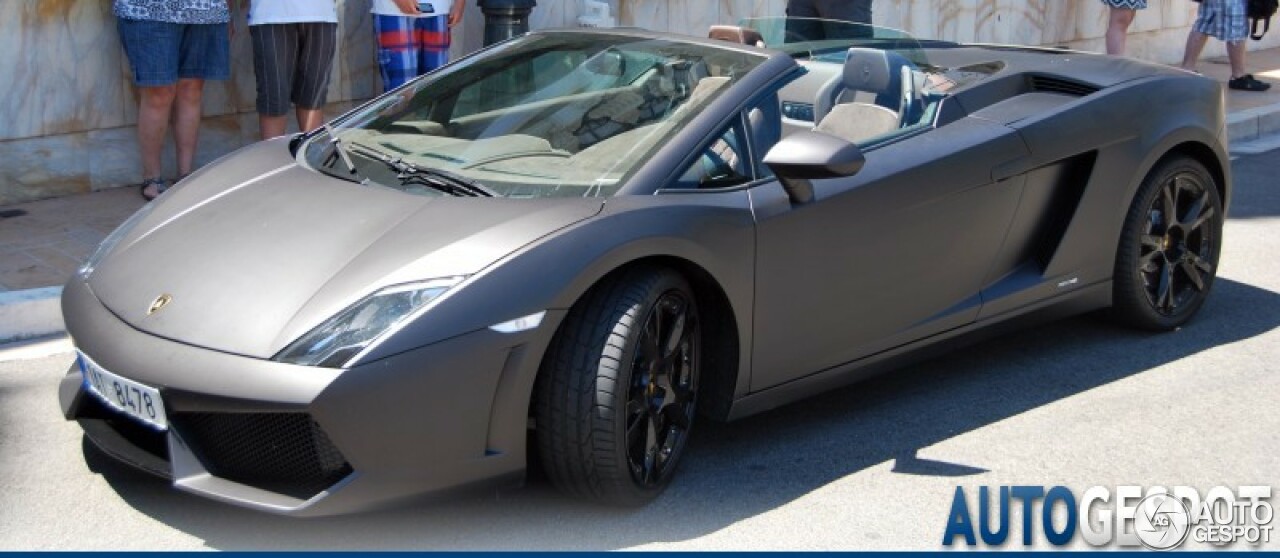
[[256, 251]]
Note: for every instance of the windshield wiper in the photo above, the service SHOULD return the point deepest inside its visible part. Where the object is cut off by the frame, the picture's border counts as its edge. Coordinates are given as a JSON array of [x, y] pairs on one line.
[[339, 151], [441, 180]]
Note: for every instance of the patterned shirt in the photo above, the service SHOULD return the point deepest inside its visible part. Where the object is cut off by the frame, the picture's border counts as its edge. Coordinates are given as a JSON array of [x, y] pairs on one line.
[[174, 11]]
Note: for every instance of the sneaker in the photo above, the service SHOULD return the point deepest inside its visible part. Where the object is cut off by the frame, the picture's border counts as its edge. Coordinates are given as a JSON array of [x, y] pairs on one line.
[[151, 188], [1248, 83]]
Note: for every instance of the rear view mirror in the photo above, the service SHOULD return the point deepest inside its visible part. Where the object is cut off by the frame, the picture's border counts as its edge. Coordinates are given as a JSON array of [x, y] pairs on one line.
[[805, 156]]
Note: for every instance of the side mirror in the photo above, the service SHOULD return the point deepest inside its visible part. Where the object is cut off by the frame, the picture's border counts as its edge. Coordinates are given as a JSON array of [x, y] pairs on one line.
[[805, 156]]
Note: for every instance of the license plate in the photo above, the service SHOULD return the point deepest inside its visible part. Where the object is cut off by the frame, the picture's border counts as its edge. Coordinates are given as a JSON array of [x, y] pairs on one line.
[[127, 396]]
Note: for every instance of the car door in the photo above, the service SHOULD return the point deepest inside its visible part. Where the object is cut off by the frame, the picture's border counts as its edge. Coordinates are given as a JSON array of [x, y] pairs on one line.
[[893, 254]]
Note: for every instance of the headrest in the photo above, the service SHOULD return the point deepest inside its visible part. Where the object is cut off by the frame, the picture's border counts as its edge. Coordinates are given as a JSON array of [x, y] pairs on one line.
[[736, 34], [871, 69]]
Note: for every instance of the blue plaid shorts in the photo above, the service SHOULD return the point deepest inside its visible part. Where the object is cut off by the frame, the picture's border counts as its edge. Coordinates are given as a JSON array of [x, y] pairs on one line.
[[410, 46], [1226, 20]]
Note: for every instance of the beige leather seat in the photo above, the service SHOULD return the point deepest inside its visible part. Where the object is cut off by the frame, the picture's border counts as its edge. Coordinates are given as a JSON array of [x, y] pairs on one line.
[[847, 106]]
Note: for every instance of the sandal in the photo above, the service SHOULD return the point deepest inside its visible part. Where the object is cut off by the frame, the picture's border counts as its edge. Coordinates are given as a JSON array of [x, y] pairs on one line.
[[160, 186], [1248, 83]]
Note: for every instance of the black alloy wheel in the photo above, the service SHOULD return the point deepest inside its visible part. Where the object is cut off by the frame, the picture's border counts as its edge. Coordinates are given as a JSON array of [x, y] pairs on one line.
[[1168, 255], [660, 400], [616, 395]]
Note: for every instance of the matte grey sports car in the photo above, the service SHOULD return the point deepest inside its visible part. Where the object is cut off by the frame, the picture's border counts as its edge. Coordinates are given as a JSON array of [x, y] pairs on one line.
[[563, 246]]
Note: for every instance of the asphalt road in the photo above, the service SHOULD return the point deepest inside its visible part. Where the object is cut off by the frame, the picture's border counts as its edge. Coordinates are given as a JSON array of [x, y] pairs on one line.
[[1077, 403]]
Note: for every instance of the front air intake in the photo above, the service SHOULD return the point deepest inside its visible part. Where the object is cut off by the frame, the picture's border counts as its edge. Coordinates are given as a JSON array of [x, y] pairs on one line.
[[285, 453]]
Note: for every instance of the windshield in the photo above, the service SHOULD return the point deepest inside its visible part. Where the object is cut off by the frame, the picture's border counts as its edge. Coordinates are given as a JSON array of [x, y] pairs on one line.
[[549, 114], [829, 40]]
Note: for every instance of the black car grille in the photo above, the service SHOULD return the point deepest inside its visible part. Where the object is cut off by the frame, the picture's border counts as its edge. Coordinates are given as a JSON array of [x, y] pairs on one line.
[[285, 453]]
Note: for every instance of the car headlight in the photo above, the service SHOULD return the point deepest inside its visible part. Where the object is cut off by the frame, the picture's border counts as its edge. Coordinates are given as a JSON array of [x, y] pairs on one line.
[[110, 242], [333, 343]]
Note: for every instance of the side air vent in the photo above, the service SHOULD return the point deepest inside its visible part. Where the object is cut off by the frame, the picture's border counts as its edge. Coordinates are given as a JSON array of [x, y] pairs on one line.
[[1049, 84]]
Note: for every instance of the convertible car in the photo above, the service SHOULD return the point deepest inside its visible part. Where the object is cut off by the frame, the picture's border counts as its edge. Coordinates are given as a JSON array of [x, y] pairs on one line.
[[575, 245]]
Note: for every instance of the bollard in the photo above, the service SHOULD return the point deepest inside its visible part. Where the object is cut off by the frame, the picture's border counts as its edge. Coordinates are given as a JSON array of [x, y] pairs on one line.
[[504, 19]]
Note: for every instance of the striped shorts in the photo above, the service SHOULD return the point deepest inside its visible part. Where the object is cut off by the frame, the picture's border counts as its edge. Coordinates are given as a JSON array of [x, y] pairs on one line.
[[292, 62], [1225, 20], [410, 46]]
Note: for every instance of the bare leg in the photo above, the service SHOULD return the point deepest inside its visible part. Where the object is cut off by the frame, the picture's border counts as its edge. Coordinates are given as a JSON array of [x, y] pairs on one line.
[[153, 123], [1118, 30], [309, 119], [272, 126], [1195, 45], [186, 124], [1235, 53]]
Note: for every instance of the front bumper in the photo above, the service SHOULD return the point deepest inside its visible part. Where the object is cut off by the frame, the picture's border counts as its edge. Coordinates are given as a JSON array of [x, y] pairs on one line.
[[308, 441]]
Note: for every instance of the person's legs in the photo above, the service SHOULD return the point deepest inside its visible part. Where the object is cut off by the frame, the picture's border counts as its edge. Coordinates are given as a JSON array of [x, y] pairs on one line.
[[206, 55], [1209, 22], [153, 52], [154, 106], [188, 110], [274, 51], [1236, 53], [397, 55], [1235, 33], [317, 44], [1195, 45], [433, 40], [1118, 29], [1241, 79], [272, 126], [309, 119]]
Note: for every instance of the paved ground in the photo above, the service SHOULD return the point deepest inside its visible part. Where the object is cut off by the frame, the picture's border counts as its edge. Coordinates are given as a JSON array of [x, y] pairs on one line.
[[1078, 403]]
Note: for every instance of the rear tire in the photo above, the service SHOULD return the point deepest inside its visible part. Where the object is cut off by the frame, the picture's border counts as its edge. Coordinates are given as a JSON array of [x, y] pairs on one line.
[[1169, 247], [616, 393]]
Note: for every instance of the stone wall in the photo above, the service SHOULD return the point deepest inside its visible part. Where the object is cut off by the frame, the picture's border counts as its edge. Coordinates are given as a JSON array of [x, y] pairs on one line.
[[68, 109]]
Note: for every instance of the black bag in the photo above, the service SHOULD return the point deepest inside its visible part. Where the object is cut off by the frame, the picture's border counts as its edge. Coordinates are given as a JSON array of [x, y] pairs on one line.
[[1260, 11]]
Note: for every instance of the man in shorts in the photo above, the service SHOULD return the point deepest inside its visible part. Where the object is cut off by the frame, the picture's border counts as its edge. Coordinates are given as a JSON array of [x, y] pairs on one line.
[[294, 42], [173, 46], [1225, 20]]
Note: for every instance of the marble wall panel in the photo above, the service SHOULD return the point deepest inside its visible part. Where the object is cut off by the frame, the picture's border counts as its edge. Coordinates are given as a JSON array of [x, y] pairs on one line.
[[692, 17], [113, 157], [956, 20], [1059, 22], [1176, 13], [1091, 19], [648, 14], [733, 10], [553, 14], [355, 72], [43, 167], [57, 60], [1024, 22]]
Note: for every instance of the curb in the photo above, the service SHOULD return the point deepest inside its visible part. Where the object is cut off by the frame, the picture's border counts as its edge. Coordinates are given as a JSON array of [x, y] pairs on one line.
[[30, 313], [1252, 123]]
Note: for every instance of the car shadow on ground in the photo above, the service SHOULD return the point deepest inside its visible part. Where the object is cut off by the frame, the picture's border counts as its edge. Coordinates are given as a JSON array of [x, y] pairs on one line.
[[739, 470]]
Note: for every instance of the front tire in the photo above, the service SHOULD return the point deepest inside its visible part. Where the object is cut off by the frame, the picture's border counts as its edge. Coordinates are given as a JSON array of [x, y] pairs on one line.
[[616, 394], [1169, 247]]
